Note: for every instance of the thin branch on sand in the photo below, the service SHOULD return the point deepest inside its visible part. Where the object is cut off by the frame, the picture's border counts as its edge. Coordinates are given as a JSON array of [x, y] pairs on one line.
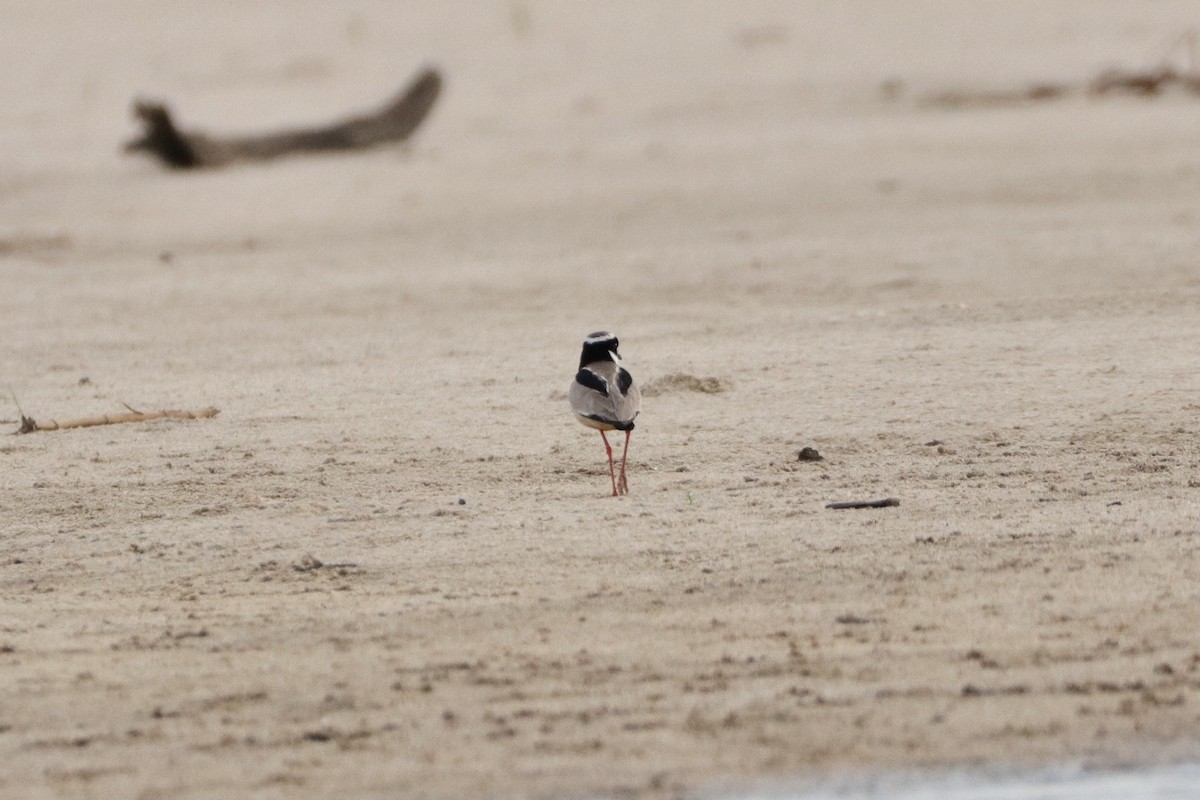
[[29, 425], [884, 503]]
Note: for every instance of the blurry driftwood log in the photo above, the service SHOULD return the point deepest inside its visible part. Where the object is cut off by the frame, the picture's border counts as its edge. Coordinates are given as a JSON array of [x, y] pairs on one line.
[[1178, 69], [29, 425], [1149, 82], [180, 149]]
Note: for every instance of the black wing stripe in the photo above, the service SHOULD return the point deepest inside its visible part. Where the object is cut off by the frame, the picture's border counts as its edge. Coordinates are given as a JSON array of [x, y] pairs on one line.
[[624, 380], [585, 377]]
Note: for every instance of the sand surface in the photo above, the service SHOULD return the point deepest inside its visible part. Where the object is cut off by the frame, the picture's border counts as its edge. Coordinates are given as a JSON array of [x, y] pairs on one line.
[[390, 566]]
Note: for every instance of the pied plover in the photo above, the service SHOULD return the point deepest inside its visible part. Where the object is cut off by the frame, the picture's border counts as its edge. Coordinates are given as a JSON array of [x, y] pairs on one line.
[[604, 398]]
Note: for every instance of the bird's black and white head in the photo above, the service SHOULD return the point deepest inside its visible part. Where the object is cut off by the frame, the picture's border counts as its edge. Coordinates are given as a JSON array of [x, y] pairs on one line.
[[599, 346]]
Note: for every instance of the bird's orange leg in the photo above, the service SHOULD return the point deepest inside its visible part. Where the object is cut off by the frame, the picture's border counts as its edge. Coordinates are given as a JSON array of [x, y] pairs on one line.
[[611, 471], [624, 484]]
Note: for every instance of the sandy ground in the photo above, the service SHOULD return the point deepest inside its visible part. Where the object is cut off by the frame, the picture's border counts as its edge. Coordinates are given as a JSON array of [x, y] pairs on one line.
[[390, 567]]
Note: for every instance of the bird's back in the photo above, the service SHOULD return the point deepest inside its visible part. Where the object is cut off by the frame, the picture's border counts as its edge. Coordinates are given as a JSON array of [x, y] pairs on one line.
[[607, 399]]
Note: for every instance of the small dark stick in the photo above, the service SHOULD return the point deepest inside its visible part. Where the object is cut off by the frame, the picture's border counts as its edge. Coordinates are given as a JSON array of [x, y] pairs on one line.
[[884, 503]]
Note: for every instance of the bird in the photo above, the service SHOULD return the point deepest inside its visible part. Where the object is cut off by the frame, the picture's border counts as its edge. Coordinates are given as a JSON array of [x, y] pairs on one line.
[[603, 397]]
